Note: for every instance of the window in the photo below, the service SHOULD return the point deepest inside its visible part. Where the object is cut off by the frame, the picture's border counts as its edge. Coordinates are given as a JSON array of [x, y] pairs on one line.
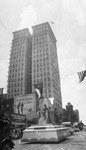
[[45, 90], [37, 70], [40, 55], [48, 68], [44, 73], [34, 70], [37, 75], [34, 81], [48, 78], [48, 73], [34, 76], [45, 84], [37, 80], [41, 75], [45, 79], [40, 69], [50, 95], [38, 65]]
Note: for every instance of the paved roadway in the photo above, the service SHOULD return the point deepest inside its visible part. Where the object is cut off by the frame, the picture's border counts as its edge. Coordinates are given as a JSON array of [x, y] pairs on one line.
[[75, 142]]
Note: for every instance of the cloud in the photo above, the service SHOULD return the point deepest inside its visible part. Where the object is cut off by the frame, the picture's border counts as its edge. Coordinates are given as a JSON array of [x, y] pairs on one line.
[[28, 17], [67, 50], [83, 3], [76, 9], [71, 50], [82, 53], [49, 10]]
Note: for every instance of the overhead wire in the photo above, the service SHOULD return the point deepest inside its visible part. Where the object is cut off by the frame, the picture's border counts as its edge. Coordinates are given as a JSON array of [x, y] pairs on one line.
[[5, 27]]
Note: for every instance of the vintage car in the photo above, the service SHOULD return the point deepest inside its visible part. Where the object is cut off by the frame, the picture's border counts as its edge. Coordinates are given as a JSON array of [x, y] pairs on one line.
[[68, 124], [6, 142]]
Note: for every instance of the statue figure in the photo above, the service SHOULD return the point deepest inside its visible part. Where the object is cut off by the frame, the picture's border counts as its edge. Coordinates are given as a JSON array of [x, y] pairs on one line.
[[43, 104], [18, 107]]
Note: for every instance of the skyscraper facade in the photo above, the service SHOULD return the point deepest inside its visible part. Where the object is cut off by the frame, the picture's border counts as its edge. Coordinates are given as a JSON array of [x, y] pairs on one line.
[[20, 70], [45, 67]]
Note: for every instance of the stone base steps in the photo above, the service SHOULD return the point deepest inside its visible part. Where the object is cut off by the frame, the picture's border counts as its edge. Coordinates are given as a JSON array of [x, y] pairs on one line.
[[45, 133]]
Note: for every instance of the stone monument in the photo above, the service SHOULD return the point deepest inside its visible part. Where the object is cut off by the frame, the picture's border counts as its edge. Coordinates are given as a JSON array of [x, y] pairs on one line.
[[45, 130]]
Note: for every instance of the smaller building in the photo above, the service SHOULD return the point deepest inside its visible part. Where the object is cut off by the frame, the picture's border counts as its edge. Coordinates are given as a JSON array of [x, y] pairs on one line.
[[69, 114], [7, 107], [76, 115]]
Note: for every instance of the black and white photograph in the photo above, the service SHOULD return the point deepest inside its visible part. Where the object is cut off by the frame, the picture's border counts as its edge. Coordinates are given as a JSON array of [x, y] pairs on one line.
[[42, 74]]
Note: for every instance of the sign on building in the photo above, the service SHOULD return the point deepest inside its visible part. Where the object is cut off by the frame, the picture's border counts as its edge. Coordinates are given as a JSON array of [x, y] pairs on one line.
[[25, 104], [17, 119]]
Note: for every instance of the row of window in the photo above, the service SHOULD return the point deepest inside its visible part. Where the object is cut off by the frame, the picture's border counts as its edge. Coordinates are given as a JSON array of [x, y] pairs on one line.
[[38, 50], [17, 54], [42, 60], [39, 38], [38, 59], [17, 69], [41, 74], [21, 34], [41, 66], [19, 40], [37, 45], [40, 29], [39, 54], [17, 61], [41, 78], [15, 79], [42, 39], [40, 42], [20, 75], [15, 90], [16, 65], [41, 69], [11, 95], [17, 49], [17, 84], [38, 80], [18, 45]]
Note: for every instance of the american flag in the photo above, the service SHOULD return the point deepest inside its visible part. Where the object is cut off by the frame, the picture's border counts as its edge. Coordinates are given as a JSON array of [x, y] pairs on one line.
[[81, 75], [39, 89]]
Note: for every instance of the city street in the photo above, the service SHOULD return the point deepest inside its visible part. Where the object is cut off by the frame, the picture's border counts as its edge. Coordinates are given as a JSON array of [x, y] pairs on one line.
[[75, 142]]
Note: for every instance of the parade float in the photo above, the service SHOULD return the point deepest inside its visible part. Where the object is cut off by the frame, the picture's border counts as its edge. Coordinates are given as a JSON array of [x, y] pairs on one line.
[[46, 130]]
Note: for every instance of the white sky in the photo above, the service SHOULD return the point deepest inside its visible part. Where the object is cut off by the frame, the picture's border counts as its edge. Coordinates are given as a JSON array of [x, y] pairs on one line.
[[69, 17]]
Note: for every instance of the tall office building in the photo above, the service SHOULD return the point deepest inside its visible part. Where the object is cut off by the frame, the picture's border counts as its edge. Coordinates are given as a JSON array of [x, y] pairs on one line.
[[20, 70], [45, 63]]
